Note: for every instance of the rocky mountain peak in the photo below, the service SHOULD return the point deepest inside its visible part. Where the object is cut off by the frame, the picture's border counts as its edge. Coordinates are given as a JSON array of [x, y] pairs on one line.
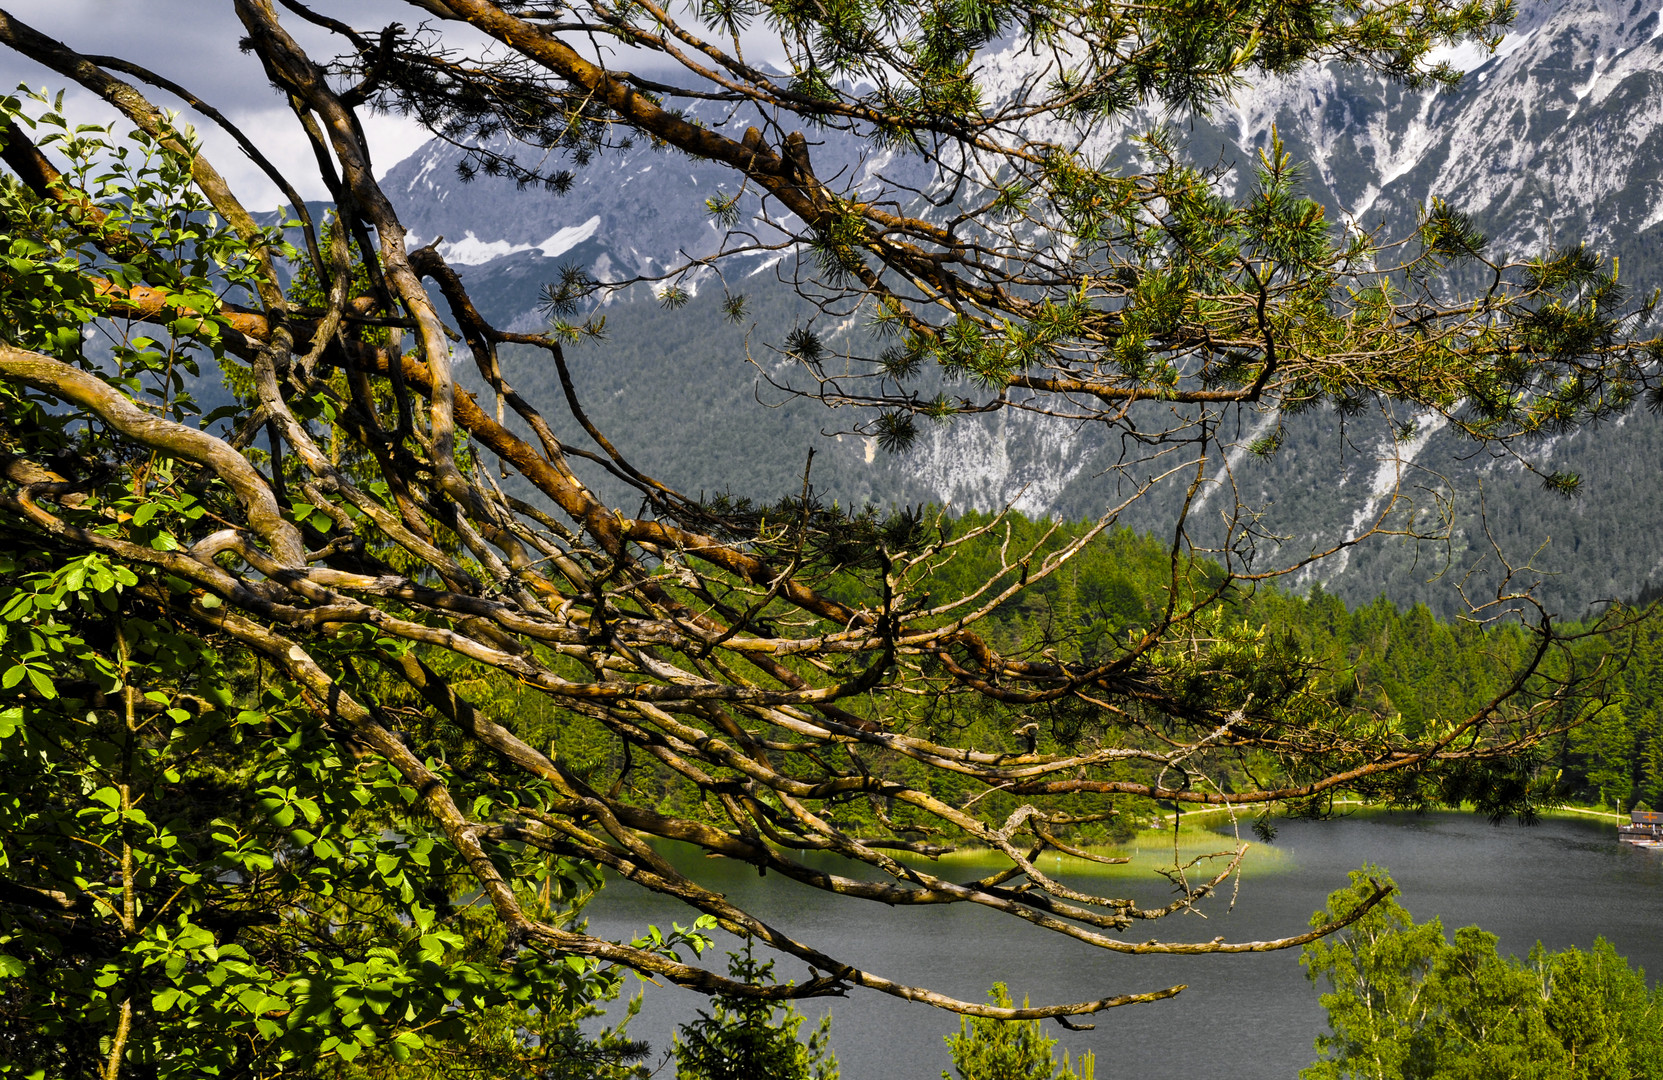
[[1555, 137]]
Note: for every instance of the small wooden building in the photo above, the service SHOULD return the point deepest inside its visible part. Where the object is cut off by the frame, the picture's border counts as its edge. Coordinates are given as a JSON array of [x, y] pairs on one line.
[[1645, 827]]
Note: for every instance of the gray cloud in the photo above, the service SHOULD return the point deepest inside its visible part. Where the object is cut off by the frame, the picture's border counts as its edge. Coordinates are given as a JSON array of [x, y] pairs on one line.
[[194, 43]]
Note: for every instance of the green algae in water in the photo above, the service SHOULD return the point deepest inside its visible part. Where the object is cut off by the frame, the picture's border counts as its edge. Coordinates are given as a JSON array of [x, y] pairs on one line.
[[1150, 851]]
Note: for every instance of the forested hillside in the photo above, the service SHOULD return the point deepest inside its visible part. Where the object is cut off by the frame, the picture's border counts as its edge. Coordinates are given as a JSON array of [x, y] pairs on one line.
[[1404, 665], [688, 391]]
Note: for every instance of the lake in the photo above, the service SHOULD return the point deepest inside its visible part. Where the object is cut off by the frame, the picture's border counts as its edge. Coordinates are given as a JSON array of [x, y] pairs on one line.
[[1563, 882]]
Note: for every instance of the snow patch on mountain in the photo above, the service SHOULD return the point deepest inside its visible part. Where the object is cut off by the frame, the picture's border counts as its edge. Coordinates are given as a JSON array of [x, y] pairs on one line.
[[472, 251], [1234, 457], [1466, 57], [570, 237], [1655, 217], [1395, 459], [430, 161]]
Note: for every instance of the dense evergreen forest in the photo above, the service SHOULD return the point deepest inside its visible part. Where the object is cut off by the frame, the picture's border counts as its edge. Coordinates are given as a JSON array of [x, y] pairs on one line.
[[1410, 668]]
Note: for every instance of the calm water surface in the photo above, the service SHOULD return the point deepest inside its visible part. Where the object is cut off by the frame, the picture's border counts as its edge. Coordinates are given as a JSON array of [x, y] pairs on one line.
[[1563, 882]]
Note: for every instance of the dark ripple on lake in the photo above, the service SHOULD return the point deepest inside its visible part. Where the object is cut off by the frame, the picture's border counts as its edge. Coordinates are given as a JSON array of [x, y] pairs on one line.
[[1563, 882]]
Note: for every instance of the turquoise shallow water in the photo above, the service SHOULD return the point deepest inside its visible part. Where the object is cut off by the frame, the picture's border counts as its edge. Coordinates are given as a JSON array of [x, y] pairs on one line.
[[1563, 882]]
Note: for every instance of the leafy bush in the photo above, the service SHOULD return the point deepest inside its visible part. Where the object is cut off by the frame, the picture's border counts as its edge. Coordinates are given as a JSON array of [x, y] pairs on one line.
[[1406, 1003]]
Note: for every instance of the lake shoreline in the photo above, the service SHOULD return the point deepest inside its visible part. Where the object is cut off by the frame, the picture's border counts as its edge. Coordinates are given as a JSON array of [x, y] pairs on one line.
[[1563, 883], [1155, 846], [1192, 836], [1165, 820]]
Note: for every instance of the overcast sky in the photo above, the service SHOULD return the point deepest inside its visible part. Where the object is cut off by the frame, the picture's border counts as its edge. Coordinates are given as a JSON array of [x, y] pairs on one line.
[[193, 42]]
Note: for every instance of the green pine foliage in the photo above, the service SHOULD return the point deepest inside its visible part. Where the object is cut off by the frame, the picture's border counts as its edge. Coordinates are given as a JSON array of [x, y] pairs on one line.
[[1615, 757], [744, 1038], [987, 1049]]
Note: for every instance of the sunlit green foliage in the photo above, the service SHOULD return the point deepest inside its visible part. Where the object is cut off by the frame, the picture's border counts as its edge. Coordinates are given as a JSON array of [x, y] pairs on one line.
[[1009, 1049], [194, 858], [200, 874], [1405, 1002]]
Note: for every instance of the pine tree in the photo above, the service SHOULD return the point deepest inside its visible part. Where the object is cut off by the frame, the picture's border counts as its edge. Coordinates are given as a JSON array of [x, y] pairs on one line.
[[989, 1049], [743, 1038]]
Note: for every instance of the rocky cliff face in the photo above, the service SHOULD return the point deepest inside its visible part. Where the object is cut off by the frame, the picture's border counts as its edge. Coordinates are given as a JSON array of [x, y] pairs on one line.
[[1557, 138]]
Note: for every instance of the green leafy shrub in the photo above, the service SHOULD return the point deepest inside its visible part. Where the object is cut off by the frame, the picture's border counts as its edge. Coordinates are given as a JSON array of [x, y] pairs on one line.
[[1407, 1003]]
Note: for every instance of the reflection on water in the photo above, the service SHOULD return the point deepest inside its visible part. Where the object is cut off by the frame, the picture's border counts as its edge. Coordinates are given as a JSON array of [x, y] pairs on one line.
[[1563, 882]]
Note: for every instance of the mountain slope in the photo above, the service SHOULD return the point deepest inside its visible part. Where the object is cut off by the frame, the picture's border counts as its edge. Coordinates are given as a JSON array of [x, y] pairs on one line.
[[1557, 138]]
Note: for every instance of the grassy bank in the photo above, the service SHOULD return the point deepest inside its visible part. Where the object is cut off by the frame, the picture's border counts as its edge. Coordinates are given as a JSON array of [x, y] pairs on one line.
[[1200, 833], [1213, 815], [1569, 810], [1148, 851]]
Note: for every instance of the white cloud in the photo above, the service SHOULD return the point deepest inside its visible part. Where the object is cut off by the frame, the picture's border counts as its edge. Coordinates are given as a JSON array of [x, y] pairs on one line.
[[195, 44]]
